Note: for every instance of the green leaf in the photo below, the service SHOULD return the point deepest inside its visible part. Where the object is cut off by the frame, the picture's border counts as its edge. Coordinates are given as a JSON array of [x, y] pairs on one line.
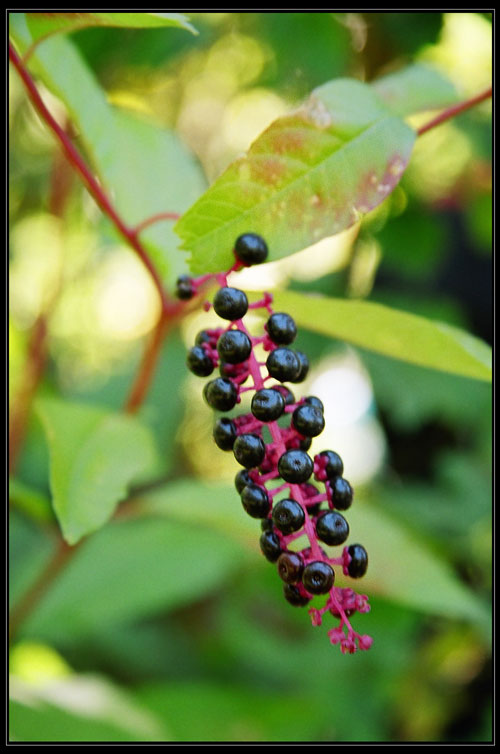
[[133, 569], [414, 89], [79, 708], [42, 25], [230, 711], [392, 332], [137, 161], [311, 174], [30, 549], [94, 454], [403, 568]]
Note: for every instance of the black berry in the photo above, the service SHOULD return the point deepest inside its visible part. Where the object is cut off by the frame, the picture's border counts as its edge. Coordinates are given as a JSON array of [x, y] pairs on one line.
[[241, 480], [334, 466], [303, 367], [270, 546], [249, 450], [267, 405], [359, 561], [283, 364], [281, 328], [313, 401], [255, 501], [199, 362], [318, 577], [267, 524], [224, 433], [332, 528], [230, 303], [286, 393], [234, 346], [220, 394], [342, 493], [251, 249], [290, 567], [294, 596], [295, 466], [203, 337], [308, 420], [288, 516], [305, 443], [184, 287]]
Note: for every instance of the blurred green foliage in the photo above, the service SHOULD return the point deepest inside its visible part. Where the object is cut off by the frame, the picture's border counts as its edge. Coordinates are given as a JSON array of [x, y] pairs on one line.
[[171, 626]]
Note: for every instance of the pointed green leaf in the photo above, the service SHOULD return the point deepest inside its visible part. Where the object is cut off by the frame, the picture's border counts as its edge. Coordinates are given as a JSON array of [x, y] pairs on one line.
[[136, 161], [391, 332], [94, 455], [132, 569], [414, 89], [43, 25], [311, 174]]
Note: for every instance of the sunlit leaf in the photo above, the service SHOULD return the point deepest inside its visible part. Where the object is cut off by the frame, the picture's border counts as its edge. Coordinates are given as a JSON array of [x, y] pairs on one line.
[[136, 160], [414, 89], [79, 708], [94, 455], [391, 332], [43, 25], [311, 174]]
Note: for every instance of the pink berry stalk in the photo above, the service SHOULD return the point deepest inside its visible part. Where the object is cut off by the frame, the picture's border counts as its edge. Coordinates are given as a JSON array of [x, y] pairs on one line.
[[274, 483]]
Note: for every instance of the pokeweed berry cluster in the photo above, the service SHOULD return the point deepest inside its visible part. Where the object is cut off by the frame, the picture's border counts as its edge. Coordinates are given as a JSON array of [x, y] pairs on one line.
[[271, 444]]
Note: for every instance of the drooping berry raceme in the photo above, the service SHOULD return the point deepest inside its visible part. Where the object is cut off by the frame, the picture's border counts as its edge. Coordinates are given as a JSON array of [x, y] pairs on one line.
[[275, 481]]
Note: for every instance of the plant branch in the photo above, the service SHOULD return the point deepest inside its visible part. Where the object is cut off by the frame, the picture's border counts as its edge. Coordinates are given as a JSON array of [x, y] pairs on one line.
[[32, 597], [454, 110], [155, 219], [89, 180]]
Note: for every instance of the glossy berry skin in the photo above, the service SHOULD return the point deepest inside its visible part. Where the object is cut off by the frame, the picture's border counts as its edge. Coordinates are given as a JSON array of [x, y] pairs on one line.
[[267, 405], [255, 501], [305, 444], [249, 450], [241, 480], [184, 288], [332, 528], [251, 249], [234, 346], [267, 524], [270, 546], [318, 577], [359, 561], [199, 362], [230, 303], [288, 516], [303, 367], [334, 466], [342, 493], [224, 433], [202, 337], [295, 466], [308, 420], [311, 400], [283, 365], [290, 567], [294, 597], [281, 328], [220, 394], [286, 393]]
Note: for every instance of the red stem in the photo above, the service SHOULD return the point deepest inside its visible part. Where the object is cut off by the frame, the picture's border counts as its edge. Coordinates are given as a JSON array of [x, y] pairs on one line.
[[75, 159], [155, 219], [455, 110]]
